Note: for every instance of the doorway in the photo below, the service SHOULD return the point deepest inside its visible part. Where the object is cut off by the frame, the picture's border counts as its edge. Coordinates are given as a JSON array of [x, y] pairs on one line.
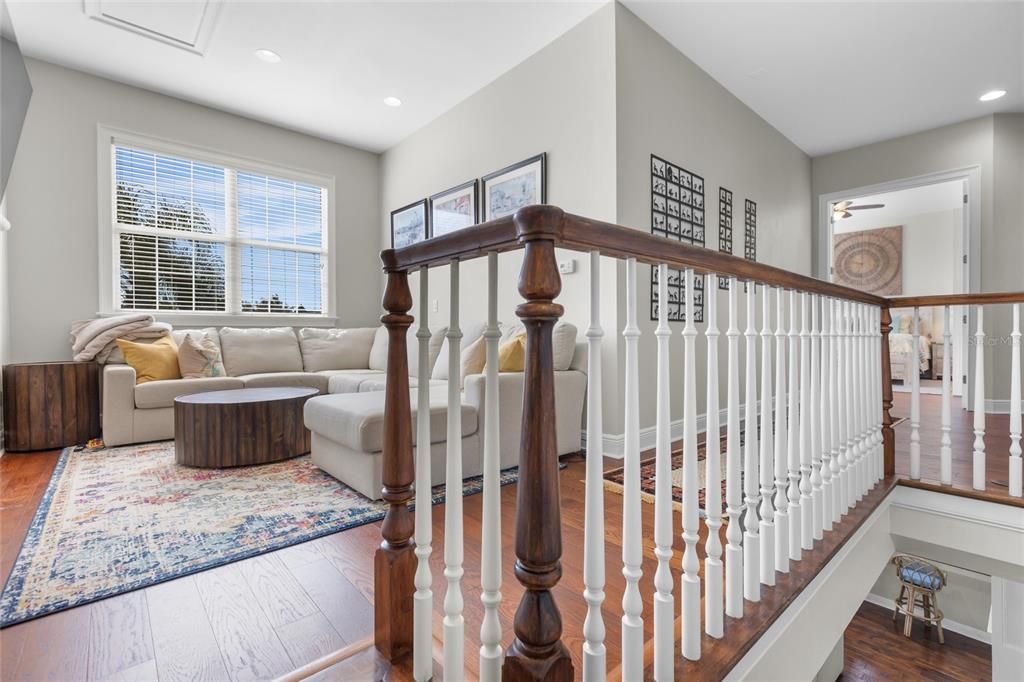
[[908, 238]]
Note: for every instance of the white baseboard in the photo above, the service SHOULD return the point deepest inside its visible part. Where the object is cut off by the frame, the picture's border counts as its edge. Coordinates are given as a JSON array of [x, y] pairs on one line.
[[947, 624], [994, 406], [614, 443]]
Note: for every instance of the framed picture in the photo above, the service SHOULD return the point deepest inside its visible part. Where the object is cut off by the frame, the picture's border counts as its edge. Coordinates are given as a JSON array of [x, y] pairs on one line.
[[454, 209], [508, 190], [409, 224]]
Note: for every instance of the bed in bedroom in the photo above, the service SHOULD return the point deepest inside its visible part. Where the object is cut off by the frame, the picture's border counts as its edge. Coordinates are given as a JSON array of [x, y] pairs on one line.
[[901, 344]]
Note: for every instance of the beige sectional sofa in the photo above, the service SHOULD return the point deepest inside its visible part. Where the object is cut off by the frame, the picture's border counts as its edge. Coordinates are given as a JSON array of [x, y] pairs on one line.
[[347, 366]]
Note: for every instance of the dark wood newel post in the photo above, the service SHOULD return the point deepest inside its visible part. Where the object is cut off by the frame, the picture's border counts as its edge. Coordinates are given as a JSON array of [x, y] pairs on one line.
[[537, 653], [394, 563], [888, 435]]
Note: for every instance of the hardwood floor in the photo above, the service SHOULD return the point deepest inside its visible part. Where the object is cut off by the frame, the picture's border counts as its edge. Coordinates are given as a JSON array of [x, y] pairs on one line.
[[270, 614], [875, 649]]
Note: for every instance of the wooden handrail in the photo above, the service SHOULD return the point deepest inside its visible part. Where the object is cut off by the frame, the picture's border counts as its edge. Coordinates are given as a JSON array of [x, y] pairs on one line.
[[577, 233], [955, 299]]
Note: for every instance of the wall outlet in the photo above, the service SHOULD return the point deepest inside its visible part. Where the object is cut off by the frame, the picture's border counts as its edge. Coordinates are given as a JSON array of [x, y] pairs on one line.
[[567, 267], [433, 305]]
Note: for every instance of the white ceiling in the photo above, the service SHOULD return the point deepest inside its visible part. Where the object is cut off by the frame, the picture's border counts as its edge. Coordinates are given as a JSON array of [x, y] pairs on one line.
[[828, 75], [901, 205], [836, 75], [339, 59]]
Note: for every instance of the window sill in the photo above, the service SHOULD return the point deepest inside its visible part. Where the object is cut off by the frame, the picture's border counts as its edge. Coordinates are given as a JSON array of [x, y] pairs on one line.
[[183, 320]]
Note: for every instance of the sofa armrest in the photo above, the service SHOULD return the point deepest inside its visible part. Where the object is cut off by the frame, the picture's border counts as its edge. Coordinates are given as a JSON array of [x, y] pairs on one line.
[[118, 404], [570, 393]]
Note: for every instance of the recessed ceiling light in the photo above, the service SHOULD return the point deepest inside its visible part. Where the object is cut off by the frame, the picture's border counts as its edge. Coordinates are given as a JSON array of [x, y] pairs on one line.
[[268, 56], [991, 95], [392, 101]]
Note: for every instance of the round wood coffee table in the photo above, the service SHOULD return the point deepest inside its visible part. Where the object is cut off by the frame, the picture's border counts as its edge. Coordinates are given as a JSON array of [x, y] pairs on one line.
[[240, 427]]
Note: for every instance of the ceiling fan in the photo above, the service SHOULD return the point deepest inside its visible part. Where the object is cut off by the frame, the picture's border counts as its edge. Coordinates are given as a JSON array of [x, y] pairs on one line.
[[843, 208]]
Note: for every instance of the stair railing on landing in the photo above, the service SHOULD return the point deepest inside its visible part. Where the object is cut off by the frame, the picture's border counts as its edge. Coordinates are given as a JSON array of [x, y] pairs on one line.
[[786, 484]]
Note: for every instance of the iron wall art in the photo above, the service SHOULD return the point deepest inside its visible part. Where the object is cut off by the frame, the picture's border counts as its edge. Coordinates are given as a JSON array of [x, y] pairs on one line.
[[677, 212], [724, 228]]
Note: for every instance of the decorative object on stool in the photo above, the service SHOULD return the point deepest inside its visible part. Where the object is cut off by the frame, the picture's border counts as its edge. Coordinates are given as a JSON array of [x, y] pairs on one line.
[[920, 583], [49, 405]]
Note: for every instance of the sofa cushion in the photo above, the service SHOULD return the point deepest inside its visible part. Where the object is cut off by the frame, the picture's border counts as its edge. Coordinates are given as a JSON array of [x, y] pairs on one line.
[[357, 420], [336, 348], [197, 334], [380, 383], [278, 379], [162, 393], [348, 381], [379, 351], [255, 351], [563, 342]]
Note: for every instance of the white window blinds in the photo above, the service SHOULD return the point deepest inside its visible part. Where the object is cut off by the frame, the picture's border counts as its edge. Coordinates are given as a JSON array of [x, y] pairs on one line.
[[199, 237]]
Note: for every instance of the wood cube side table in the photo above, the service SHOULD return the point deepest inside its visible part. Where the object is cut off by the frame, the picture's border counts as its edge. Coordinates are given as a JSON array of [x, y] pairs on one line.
[[49, 405]]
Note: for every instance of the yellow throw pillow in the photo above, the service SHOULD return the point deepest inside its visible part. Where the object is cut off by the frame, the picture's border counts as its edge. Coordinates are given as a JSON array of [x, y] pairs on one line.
[[151, 361], [512, 354]]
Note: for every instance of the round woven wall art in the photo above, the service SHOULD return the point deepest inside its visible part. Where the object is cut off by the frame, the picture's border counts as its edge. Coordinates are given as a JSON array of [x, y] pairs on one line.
[[870, 260]]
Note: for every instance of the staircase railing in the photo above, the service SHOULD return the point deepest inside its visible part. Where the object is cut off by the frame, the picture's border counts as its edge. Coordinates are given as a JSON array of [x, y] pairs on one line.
[[826, 442]]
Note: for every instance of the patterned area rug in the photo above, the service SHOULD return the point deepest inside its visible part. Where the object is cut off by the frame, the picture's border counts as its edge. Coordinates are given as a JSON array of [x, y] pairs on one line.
[[118, 519], [614, 478]]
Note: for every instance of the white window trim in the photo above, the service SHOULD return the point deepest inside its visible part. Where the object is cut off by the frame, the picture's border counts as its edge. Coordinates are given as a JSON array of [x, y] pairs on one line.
[[108, 277]]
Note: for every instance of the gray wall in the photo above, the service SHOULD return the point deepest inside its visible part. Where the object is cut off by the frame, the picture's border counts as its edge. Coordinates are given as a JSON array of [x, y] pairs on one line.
[[560, 100], [668, 106], [993, 143], [52, 197]]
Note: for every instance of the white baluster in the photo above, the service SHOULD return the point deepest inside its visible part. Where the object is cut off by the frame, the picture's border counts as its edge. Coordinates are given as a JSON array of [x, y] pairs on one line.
[[876, 374], [664, 606], [713, 624], [734, 468], [781, 426], [815, 430], [1015, 418], [632, 547], [825, 416], [423, 599], [868, 395], [857, 388], [915, 400], [806, 505], [751, 538], [767, 464], [594, 653], [490, 538], [837, 393], [979, 404], [691, 486], [861, 374], [454, 624], [793, 435], [850, 406]]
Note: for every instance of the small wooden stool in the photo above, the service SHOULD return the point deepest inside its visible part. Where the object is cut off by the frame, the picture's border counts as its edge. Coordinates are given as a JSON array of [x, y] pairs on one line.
[[920, 583]]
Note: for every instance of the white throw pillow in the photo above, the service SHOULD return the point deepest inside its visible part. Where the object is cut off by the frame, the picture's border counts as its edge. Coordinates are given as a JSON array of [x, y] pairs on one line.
[[470, 333], [379, 351], [563, 343], [253, 351], [336, 348]]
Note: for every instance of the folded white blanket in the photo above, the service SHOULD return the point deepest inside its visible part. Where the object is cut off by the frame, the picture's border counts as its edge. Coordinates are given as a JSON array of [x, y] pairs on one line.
[[95, 339], [112, 353]]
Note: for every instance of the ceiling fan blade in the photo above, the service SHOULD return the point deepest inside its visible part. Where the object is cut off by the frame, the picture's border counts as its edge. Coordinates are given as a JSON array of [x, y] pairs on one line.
[[864, 206], [839, 215]]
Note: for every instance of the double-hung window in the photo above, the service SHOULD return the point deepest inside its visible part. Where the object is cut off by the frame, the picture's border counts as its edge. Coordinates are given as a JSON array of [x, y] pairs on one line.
[[202, 236]]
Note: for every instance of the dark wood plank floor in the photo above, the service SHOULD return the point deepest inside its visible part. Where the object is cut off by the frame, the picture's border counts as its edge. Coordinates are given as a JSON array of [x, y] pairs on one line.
[[266, 615], [875, 649]]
